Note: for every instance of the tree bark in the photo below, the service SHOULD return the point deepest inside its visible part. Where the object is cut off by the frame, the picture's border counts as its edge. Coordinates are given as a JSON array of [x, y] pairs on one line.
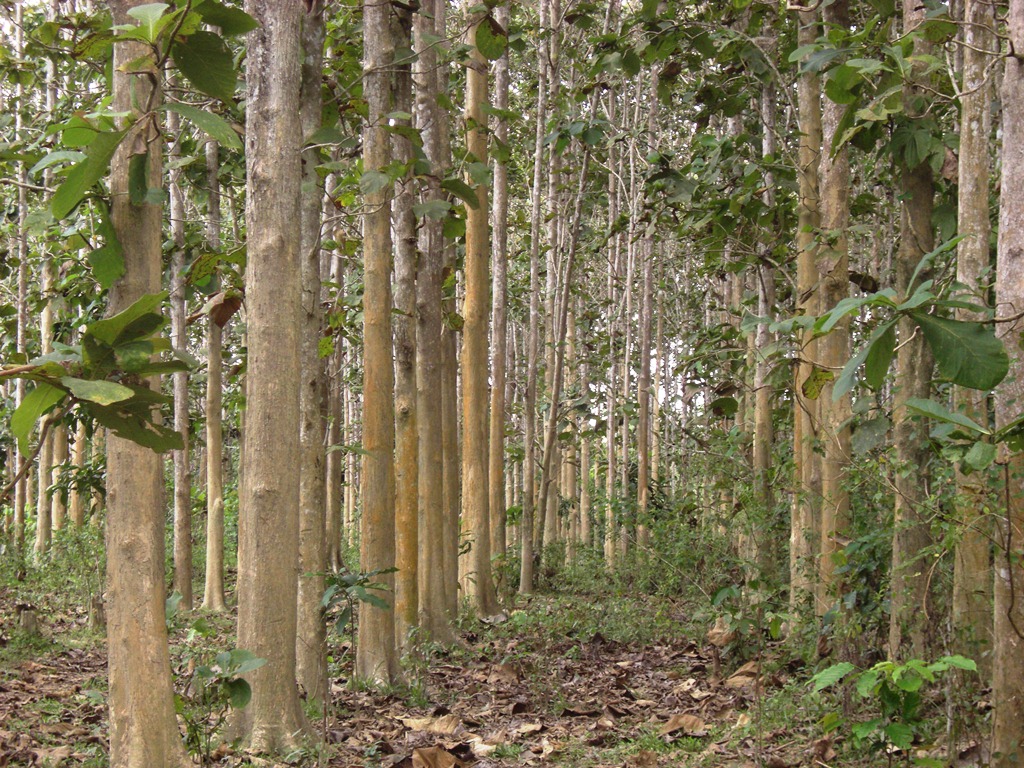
[[268, 526], [1008, 637], [376, 659], [143, 729], [311, 640]]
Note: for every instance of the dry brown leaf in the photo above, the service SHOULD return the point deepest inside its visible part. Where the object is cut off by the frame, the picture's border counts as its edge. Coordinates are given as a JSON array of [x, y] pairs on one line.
[[52, 757], [742, 720], [526, 728], [434, 757], [743, 676], [689, 725], [644, 759], [446, 725], [721, 634]]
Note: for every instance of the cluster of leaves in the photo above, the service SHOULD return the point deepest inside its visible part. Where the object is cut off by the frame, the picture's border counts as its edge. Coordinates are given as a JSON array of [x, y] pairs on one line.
[[894, 690], [104, 376], [346, 590]]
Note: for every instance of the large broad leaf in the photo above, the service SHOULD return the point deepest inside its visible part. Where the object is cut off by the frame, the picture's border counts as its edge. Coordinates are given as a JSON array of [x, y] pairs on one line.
[[97, 391], [205, 61], [214, 126], [491, 39], [880, 354], [231, 21], [967, 354], [238, 691], [934, 410], [135, 425], [832, 675], [85, 174], [110, 331], [37, 402]]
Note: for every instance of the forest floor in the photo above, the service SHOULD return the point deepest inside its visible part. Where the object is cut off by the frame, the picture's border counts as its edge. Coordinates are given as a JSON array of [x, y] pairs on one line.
[[569, 680]]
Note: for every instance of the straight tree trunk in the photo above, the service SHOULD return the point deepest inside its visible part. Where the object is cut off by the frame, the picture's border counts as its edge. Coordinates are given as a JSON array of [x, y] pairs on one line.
[[908, 624], [311, 640], [213, 592], [182, 583], [434, 618], [1008, 637], [972, 562], [834, 349], [268, 525], [479, 584], [804, 542], [406, 428], [499, 313], [143, 729], [376, 659], [77, 498], [44, 474]]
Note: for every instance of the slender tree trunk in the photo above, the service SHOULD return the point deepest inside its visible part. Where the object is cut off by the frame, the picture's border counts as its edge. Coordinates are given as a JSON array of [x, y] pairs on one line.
[[335, 500], [143, 729], [1008, 637], [526, 572], [268, 525], [21, 488], [475, 499], [406, 428], [805, 529], [834, 349], [499, 313], [972, 562], [44, 519], [908, 624], [213, 592], [376, 659], [311, 640], [182, 582], [434, 618], [77, 498]]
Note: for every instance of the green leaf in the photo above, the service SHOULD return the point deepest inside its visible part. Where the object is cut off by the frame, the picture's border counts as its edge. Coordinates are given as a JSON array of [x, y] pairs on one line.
[[239, 692], [149, 17], [831, 675], [960, 662], [231, 21], [491, 40], [97, 391], [724, 406], [39, 401], [213, 125], [899, 734], [243, 661], [136, 426], [980, 456], [372, 182], [934, 410], [461, 190], [59, 156], [111, 329], [879, 358], [967, 354], [814, 383], [869, 435], [205, 61], [84, 175], [432, 209], [138, 178]]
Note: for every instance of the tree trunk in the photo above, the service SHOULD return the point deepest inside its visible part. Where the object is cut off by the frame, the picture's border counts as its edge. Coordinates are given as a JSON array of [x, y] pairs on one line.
[[143, 729], [182, 583], [406, 429], [213, 592], [908, 625], [268, 525], [1008, 637], [311, 640], [434, 618], [804, 539], [479, 584], [376, 660], [972, 561], [499, 313], [834, 349]]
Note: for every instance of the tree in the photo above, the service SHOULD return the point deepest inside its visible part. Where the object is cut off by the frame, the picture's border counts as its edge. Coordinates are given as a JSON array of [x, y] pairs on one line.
[[1008, 636], [143, 729], [477, 581], [376, 659], [268, 529]]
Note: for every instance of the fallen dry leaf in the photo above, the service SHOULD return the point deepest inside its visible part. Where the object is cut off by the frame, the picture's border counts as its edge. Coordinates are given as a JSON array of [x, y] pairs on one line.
[[689, 725], [743, 676], [434, 757], [742, 720], [446, 725]]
